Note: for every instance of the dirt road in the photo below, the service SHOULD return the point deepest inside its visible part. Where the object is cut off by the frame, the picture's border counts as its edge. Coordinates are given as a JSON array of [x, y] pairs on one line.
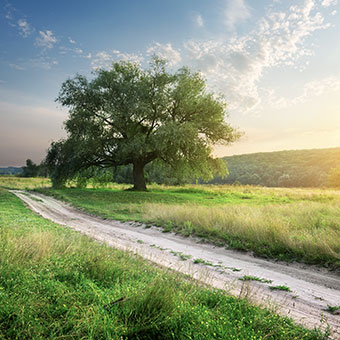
[[312, 289]]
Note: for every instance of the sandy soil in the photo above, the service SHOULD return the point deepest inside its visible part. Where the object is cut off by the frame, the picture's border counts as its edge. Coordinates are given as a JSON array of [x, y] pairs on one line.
[[313, 289]]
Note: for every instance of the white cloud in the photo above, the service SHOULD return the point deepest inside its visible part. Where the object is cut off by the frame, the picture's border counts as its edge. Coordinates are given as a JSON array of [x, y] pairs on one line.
[[75, 51], [134, 58], [333, 12], [236, 66], [236, 12], [25, 28], [21, 24], [327, 3], [165, 51], [102, 60], [46, 39], [199, 20], [105, 59], [71, 41], [317, 88]]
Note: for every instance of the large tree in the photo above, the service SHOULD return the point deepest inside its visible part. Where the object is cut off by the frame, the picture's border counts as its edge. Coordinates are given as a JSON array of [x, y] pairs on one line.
[[130, 115]]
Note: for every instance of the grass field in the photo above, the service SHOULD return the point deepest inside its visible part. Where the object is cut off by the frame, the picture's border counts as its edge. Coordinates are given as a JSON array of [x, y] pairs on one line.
[[286, 224], [12, 182], [58, 284]]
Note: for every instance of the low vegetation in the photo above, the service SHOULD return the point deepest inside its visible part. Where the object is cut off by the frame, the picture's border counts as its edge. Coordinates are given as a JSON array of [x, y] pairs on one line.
[[333, 309], [58, 284], [254, 278], [282, 287]]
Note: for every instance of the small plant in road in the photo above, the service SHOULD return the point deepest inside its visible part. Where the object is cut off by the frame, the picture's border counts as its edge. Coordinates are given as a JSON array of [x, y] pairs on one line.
[[254, 278], [284, 288]]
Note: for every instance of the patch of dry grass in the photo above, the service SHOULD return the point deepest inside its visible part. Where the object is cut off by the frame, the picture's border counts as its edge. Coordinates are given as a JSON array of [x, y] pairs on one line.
[[308, 229], [26, 183]]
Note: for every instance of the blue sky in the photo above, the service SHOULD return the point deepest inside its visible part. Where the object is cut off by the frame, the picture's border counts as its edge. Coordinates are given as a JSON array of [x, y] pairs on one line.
[[277, 63]]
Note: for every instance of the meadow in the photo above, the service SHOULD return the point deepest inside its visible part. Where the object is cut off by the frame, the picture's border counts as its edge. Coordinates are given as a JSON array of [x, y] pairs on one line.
[[58, 284], [284, 224], [281, 223]]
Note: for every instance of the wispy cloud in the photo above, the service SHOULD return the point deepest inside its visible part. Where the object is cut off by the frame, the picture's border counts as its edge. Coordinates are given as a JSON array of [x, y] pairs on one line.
[[71, 41], [317, 88], [235, 66], [18, 21], [327, 3], [166, 51], [9, 11], [25, 29], [105, 59], [236, 12], [199, 20], [46, 39], [17, 67], [42, 62], [74, 50], [87, 56]]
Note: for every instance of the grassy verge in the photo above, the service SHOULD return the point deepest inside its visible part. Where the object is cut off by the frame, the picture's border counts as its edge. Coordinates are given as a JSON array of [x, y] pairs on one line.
[[285, 224], [58, 284]]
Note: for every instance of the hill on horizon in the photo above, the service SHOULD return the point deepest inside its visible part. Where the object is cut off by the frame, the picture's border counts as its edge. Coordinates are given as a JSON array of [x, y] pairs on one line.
[[289, 168]]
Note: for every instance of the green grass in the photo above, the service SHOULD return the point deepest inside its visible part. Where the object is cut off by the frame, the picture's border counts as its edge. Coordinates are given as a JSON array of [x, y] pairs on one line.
[[58, 284], [283, 288], [201, 261], [333, 309], [285, 224], [254, 278]]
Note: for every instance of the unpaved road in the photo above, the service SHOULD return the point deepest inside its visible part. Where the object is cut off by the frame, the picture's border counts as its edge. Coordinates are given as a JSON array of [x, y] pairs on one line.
[[312, 289]]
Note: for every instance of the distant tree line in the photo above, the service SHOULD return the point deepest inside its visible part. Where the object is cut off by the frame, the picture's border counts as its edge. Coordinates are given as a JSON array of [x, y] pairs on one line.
[[10, 170], [34, 170], [302, 168], [296, 168]]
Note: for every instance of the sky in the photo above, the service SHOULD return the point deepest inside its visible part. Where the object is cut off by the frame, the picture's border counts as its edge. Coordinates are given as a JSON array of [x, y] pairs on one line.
[[276, 62]]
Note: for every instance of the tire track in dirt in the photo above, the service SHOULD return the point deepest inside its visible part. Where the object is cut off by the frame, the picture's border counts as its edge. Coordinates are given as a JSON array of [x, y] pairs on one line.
[[313, 289]]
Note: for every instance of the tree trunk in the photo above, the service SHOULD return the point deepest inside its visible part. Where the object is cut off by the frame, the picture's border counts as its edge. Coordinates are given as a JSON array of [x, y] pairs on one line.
[[138, 176]]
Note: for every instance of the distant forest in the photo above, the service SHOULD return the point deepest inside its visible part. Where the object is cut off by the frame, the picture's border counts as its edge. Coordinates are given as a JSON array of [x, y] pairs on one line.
[[10, 170], [295, 168]]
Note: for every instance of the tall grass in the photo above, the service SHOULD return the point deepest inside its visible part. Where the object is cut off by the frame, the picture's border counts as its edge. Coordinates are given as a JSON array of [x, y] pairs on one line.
[[277, 223], [310, 231]]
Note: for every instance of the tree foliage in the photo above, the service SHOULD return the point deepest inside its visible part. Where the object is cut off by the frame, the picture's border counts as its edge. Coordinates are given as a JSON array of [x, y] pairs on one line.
[[33, 170], [128, 115], [334, 177]]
